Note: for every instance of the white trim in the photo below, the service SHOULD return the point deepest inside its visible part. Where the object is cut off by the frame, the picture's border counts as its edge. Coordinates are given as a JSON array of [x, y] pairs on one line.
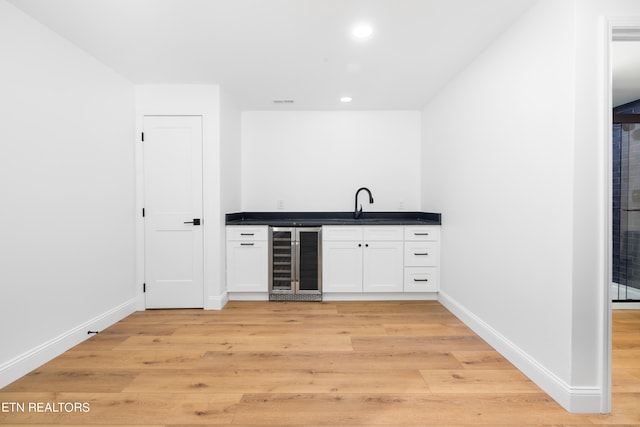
[[139, 194], [610, 25], [574, 399], [381, 296], [216, 302], [605, 296], [38, 356], [585, 400], [626, 306], [340, 296], [247, 296]]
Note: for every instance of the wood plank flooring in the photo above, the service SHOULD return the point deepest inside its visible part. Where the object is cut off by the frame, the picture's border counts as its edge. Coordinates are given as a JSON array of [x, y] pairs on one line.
[[303, 364]]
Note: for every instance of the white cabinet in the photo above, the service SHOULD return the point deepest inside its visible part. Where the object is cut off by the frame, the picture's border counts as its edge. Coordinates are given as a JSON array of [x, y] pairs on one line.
[[341, 266], [247, 259], [370, 259], [422, 258], [362, 259]]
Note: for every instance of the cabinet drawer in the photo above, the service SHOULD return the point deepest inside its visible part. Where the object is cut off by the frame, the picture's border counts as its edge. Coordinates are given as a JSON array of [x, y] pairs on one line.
[[244, 232], [422, 233], [421, 279], [383, 233], [421, 254], [340, 233]]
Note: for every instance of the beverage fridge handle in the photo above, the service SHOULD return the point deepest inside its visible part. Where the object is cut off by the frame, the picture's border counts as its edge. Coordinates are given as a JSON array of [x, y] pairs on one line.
[[296, 277]]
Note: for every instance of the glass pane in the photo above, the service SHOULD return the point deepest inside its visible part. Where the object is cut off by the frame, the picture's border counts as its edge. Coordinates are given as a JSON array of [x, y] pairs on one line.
[[309, 261], [626, 212]]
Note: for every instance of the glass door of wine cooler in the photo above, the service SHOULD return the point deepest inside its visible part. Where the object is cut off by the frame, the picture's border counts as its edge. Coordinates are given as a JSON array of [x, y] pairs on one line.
[[295, 267], [282, 260], [309, 266]]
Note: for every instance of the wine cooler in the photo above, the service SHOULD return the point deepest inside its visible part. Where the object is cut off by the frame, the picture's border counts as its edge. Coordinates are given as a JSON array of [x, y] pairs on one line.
[[295, 267]]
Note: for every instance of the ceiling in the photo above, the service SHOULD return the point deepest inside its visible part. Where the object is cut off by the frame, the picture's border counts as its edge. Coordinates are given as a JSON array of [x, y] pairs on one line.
[[300, 50], [261, 51]]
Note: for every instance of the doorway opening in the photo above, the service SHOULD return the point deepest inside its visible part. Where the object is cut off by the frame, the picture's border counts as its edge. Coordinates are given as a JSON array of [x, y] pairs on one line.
[[625, 286], [625, 167]]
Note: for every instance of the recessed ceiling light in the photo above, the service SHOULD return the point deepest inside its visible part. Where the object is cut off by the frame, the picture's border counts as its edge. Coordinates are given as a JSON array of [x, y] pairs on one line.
[[362, 31], [345, 99]]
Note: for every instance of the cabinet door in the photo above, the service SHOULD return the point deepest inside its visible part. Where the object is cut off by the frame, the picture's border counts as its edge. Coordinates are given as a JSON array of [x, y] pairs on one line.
[[383, 267], [247, 266], [341, 266]]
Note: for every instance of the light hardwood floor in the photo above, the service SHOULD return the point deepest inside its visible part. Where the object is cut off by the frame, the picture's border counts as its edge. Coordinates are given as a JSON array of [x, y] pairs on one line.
[[301, 363]]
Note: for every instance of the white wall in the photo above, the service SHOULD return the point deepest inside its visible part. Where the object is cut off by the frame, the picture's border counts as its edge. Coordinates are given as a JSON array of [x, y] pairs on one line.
[[66, 180], [230, 168], [497, 161], [523, 188], [316, 160]]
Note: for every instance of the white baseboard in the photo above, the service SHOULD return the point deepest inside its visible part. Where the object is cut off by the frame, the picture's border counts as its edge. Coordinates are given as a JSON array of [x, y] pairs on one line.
[[380, 296], [38, 356], [625, 306], [341, 296], [216, 302], [573, 399], [248, 296]]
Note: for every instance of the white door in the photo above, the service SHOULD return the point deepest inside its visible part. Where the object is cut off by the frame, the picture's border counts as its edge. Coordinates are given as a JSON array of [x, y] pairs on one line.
[[173, 208]]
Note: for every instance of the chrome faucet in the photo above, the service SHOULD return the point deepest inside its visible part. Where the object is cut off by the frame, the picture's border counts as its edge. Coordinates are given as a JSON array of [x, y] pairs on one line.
[[356, 212]]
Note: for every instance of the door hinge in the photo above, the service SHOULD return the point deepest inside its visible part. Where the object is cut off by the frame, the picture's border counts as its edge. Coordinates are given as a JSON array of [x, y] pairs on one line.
[[142, 137], [144, 287], [142, 212]]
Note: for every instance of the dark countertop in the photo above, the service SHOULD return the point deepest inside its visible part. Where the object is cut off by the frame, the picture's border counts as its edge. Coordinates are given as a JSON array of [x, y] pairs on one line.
[[315, 219]]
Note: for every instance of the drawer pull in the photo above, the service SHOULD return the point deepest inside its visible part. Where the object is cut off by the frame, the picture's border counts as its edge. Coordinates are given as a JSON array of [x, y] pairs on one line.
[[246, 234], [246, 244], [420, 280], [420, 234], [421, 254]]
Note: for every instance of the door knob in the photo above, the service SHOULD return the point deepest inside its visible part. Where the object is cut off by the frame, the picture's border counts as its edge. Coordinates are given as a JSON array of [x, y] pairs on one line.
[[196, 221]]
